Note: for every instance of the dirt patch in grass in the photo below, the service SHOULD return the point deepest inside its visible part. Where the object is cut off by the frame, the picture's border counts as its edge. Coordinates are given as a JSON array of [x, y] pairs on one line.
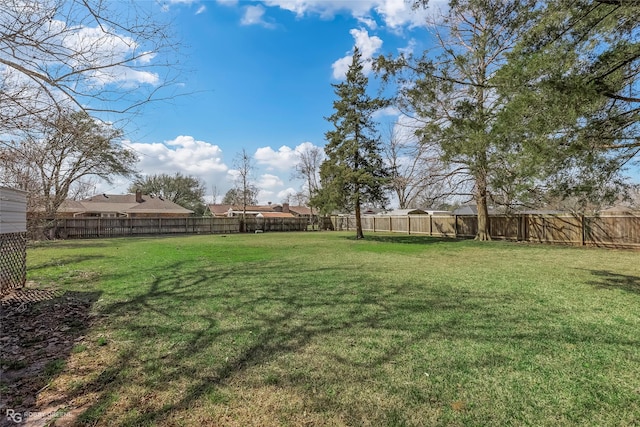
[[39, 329]]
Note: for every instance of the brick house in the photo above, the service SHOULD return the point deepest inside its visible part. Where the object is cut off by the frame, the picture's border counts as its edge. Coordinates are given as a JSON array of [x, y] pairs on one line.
[[124, 205], [267, 211]]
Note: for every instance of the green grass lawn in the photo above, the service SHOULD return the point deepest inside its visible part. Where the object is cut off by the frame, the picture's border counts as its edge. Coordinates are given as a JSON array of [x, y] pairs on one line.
[[321, 329]]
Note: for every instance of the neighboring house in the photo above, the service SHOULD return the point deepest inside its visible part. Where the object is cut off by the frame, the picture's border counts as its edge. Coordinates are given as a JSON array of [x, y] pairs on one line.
[[125, 205], [372, 211], [262, 211], [404, 212], [472, 209], [275, 215], [301, 211]]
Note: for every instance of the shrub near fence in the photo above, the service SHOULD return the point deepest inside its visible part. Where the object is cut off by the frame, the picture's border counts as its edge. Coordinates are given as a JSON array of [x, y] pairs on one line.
[[81, 228], [613, 231]]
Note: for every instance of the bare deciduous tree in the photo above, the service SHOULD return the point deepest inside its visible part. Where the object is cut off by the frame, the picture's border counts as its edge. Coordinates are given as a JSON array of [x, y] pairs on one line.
[[419, 178], [243, 164], [57, 160], [308, 169], [96, 56]]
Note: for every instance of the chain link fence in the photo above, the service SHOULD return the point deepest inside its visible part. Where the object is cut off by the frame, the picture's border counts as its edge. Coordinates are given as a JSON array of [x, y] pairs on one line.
[[13, 261]]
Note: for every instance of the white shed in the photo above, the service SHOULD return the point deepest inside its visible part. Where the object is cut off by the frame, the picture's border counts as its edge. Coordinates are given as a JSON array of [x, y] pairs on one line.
[[13, 240], [13, 210]]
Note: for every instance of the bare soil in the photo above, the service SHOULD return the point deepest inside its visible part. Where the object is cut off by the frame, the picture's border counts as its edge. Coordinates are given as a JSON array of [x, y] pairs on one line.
[[39, 329]]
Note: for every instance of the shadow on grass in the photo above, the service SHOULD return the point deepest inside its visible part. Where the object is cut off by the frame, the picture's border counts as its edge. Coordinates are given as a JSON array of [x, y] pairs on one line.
[[188, 333], [267, 335], [406, 239], [38, 331], [63, 261], [95, 242], [610, 280]]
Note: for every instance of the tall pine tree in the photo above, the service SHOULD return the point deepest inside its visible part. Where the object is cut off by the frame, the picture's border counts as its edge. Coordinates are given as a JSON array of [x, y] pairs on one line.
[[354, 172]]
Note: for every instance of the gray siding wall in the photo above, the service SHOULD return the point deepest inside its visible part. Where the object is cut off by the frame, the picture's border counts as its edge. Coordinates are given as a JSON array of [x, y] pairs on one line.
[[13, 210]]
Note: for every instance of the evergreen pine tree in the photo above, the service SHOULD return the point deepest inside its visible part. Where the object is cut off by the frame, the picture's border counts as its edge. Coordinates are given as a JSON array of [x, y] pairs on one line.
[[354, 172]]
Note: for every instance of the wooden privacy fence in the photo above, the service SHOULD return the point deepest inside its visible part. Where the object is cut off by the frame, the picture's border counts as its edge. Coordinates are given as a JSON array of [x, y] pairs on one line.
[[613, 231], [80, 228]]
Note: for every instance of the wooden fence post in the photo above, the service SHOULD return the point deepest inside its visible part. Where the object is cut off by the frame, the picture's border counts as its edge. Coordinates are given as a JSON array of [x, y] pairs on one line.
[[455, 226]]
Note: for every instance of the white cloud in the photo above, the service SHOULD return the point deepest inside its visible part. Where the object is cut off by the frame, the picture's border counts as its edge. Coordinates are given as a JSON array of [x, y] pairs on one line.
[[269, 182], [394, 13], [405, 129], [368, 46], [277, 184], [185, 155], [387, 111], [189, 156], [97, 52], [265, 197], [201, 9], [408, 50], [341, 66], [254, 15], [284, 194], [324, 8], [368, 21], [283, 159]]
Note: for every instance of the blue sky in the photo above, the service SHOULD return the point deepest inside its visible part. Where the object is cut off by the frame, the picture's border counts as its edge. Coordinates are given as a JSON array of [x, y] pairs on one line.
[[259, 78]]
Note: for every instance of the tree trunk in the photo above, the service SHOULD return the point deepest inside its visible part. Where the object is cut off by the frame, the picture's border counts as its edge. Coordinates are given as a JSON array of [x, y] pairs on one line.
[[484, 231], [359, 233]]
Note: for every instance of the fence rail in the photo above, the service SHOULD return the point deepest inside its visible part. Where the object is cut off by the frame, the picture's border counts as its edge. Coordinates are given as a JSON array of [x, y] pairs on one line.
[[610, 231], [82, 228]]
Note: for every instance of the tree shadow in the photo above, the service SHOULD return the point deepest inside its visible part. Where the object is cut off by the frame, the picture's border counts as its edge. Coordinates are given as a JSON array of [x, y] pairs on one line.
[[66, 260], [39, 329], [610, 280], [253, 315], [405, 239]]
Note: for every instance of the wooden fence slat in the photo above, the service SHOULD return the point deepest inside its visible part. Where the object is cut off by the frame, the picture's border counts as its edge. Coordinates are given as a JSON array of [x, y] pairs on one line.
[[615, 231], [79, 228]]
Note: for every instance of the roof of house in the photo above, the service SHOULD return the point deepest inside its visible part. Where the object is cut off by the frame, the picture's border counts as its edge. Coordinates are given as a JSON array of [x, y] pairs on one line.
[[403, 212], [471, 209], [371, 211], [276, 215], [300, 210], [124, 203], [223, 209], [71, 206]]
